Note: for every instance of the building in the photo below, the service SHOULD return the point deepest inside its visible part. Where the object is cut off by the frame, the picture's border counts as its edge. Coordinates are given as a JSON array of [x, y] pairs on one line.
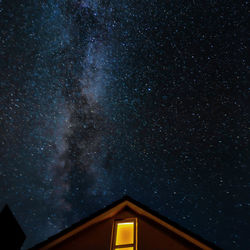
[[125, 225], [11, 234]]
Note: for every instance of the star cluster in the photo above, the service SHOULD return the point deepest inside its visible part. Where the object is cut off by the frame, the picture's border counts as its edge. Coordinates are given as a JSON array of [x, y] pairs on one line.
[[101, 99]]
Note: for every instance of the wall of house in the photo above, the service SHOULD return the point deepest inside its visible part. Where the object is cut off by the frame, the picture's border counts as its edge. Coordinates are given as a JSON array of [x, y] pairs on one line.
[[96, 237], [154, 236], [151, 236]]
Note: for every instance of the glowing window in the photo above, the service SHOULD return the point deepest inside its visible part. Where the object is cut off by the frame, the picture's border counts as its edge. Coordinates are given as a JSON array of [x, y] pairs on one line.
[[124, 235], [125, 248]]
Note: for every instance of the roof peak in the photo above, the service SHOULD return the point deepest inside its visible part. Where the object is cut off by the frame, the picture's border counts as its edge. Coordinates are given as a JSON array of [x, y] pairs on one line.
[[140, 209]]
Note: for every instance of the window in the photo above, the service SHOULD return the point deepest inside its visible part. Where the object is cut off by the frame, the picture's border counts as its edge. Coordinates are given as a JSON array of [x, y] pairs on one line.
[[124, 235]]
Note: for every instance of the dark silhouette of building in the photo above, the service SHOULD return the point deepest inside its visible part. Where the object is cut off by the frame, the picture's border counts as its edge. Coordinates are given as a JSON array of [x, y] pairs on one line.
[[11, 234], [125, 225]]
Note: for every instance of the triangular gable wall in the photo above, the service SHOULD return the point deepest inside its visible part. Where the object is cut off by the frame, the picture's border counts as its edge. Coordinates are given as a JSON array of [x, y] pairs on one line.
[[111, 212]]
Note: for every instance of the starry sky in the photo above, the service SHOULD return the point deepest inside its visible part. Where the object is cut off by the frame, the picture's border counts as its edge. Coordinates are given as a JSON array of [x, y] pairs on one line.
[[101, 99]]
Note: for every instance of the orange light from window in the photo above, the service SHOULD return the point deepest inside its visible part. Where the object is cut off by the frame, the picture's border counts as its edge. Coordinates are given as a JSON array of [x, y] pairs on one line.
[[125, 234], [125, 248]]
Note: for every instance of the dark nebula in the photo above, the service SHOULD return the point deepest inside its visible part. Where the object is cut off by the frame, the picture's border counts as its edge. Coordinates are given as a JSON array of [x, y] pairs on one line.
[[101, 99]]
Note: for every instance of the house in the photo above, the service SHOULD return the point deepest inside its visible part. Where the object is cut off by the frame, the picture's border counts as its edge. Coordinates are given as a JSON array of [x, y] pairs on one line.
[[125, 225], [11, 234]]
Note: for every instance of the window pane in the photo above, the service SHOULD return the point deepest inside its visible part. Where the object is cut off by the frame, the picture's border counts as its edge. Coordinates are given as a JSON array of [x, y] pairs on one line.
[[125, 234], [125, 248]]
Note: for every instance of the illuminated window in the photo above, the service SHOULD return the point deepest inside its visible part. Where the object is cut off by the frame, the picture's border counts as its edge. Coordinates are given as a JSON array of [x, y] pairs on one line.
[[124, 235]]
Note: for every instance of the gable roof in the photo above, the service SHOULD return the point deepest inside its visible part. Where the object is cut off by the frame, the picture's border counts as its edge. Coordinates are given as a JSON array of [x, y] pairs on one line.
[[114, 209], [9, 229]]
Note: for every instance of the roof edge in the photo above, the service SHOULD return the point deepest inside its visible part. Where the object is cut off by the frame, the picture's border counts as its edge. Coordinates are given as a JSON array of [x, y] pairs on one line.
[[114, 208]]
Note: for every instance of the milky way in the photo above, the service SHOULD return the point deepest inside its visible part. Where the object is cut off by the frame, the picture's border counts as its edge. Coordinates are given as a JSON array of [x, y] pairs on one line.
[[101, 99]]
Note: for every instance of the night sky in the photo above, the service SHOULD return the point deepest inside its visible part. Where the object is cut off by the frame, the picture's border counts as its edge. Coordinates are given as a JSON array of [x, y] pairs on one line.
[[101, 99]]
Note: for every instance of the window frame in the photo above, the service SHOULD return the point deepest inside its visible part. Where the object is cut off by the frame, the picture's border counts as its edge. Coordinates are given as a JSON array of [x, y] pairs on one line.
[[114, 233]]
